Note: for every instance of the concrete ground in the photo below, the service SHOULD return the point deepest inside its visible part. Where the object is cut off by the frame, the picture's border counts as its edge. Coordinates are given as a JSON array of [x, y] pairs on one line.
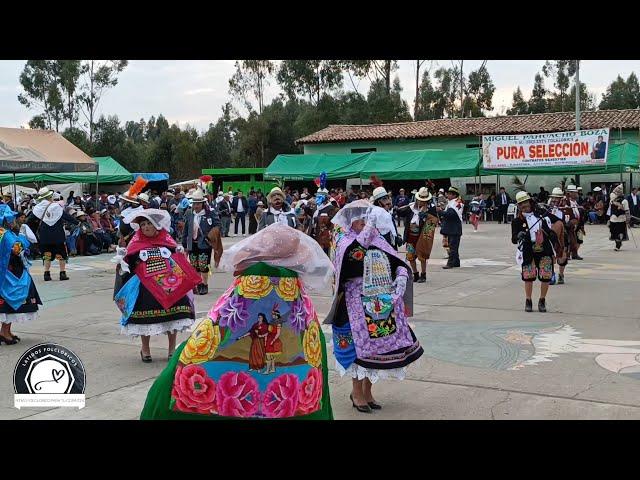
[[485, 357]]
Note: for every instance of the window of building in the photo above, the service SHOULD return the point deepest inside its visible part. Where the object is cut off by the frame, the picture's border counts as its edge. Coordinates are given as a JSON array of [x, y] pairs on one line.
[[487, 188], [363, 150]]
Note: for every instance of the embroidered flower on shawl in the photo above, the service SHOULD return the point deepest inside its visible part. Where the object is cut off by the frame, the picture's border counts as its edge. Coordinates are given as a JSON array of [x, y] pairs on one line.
[[214, 313], [298, 316], [309, 309], [311, 345], [255, 287], [238, 395], [287, 288], [235, 313], [281, 397], [309, 392], [202, 343], [193, 390]]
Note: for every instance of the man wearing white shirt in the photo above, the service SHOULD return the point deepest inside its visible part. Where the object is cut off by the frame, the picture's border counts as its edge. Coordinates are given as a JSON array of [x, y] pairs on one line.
[[502, 202], [240, 205]]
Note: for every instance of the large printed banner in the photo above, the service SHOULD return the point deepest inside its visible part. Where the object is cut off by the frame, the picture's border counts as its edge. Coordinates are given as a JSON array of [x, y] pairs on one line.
[[583, 147]]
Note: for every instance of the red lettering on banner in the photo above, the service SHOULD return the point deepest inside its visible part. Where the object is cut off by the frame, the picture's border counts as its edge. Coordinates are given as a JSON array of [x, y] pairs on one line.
[[500, 152], [585, 148]]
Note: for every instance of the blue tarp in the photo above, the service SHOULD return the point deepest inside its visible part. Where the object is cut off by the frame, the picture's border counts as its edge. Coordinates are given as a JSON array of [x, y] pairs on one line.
[[152, 177]]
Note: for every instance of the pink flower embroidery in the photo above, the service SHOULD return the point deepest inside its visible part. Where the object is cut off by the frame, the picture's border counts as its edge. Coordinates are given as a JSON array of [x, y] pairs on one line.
[[309, 392], [238, 395], [193, 390], [281, 397], [309, 309], [224, 298]]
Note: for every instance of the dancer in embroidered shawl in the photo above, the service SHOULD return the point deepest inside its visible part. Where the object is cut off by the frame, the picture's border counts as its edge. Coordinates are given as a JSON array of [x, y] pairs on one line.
[[260, 352], [19, 298], [373, 297], [153, 288]]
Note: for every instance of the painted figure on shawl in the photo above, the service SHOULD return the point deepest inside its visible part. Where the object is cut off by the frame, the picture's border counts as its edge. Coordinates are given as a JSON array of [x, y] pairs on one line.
[[258, 332], [19, 298], [260, 351], [372, 300], [154, 282]]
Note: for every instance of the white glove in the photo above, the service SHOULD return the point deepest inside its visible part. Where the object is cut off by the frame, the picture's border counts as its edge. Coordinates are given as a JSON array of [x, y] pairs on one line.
[[121, 253], [180, 249]]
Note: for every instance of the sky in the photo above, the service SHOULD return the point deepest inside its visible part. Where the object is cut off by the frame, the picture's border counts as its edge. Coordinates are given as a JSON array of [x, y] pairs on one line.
[[194, 91]]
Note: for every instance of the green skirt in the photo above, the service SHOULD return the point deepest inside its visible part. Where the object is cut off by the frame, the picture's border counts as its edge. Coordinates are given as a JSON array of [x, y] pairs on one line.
[[158, 400]]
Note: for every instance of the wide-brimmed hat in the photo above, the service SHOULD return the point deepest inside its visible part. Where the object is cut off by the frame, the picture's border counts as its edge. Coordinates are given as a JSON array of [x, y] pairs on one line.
[[275, 191], [103, 211], [44, 192], [454, 190], [221, 193], [597, 189], [441, 190], [144, 197], [197, 196], [79, 213], [159, 218], [260, 204], [522, 197], [557, 192], [572, 188], [424, 195], [379, 192]]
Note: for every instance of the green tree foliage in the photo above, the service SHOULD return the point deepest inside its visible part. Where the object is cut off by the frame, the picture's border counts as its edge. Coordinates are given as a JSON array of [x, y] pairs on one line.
[[621, 94], [251, 76], [41, 91], [587, 99], [427, 100], [309, 78], [387, 107], [538, 100], [518, 106], [561, 71]]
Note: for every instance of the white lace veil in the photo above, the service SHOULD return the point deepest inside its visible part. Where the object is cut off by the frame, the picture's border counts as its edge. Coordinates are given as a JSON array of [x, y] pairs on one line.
[[363, 210], [279, 245], [159, 218]]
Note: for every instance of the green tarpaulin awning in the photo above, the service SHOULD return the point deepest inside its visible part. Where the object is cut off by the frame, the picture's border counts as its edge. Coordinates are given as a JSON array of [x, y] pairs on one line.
[[621, 158], [417, 164], [422, 164], [110, 172], [432, 164], [308, 167]]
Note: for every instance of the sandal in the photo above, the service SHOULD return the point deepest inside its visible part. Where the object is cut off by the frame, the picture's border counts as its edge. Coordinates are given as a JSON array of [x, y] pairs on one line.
[[360, 408], [145, 358]]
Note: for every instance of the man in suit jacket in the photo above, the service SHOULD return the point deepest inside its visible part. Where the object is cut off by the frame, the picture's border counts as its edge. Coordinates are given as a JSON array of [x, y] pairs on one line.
[[279, 211], [452, 226], [240, 206], [502, 203], [634, 206]]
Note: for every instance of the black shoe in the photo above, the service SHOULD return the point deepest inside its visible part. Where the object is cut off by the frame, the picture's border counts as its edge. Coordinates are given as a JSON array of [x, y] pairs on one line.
[[47, 276], [416, 276], [8, 341], [63, 276], [528, 306], [560, 280], [448, 266], [205, 289], [360, 408], [577, 257], [145, 358], [374, 406], [541, 305], [423, 278]]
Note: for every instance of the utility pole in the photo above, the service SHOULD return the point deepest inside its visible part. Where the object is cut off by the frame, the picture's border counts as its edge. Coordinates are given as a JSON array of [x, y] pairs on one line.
[[577, 106], [578, 94], [461, 91]]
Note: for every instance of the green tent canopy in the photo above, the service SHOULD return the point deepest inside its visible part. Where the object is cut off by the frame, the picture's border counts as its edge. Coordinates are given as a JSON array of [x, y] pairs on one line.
[[417, 164], [308, 167], [422, 164], [621, 158], [110, 172]]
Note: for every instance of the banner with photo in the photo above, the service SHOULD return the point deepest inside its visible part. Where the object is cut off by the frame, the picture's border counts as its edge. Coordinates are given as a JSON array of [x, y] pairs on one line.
[[582, 147]]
